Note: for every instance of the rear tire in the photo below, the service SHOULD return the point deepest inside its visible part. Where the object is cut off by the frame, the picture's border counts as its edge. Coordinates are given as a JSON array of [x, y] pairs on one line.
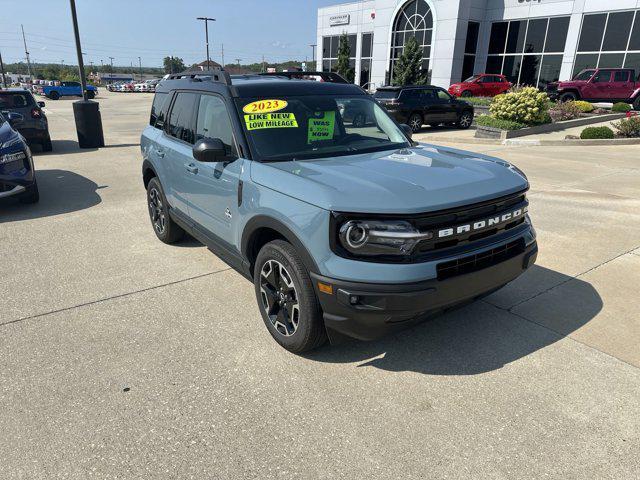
[[32, 195], [54, 95], [415, 122], [47, 146], [164, 227], [636, 103], [568, 97], [91, 94], [287, 299]]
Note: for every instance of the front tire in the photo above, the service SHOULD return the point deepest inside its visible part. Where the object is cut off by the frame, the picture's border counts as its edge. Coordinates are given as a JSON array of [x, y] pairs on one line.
[[91, 94], [54, 95], [164, 227], [465, 120], [415, 122], [466, 94], [636, 103], [286, 298], [32, 195]]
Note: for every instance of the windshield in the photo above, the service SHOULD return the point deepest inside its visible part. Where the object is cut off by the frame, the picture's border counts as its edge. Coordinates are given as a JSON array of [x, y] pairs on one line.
[[584, 75], [16, 99], [314, 126], [472, 79]]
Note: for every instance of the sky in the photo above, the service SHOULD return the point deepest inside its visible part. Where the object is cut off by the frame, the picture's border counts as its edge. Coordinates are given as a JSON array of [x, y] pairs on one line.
[[152, 29]]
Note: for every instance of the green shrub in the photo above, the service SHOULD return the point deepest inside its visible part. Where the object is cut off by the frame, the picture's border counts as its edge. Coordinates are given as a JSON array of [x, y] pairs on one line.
[[628, 127], [591, 133], [621, 107], [564, 111], [585, 107], [489, 121], [478, 101], [527, 106]]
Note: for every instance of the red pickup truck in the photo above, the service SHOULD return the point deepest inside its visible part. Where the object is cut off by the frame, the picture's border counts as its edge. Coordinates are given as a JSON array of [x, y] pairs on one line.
[[599, 85]]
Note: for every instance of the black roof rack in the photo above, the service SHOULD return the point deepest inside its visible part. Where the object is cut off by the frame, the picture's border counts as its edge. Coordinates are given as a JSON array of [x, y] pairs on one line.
[[215, 75], [331, 77]]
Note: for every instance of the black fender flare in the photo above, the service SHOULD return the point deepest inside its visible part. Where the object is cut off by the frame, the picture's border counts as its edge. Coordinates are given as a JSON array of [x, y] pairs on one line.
[[264, 221], [147, 165]]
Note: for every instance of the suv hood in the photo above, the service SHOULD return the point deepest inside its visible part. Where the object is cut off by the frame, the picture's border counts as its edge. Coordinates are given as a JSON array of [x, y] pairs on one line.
[[571, 83], [414, 180]]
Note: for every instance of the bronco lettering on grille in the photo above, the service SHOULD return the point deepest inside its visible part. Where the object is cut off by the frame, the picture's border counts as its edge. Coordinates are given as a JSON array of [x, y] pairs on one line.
[[482, 224]]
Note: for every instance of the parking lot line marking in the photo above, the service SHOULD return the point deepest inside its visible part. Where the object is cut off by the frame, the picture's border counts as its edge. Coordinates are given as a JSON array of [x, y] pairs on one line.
[[114, 297]]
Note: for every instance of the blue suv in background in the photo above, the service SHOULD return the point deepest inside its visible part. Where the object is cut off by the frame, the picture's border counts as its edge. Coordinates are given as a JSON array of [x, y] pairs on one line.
[[344, 227], [17, 173]]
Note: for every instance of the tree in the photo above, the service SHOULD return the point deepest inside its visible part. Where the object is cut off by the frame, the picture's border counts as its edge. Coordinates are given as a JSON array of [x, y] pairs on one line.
[[173, 65], [344, 54], [408, 68]]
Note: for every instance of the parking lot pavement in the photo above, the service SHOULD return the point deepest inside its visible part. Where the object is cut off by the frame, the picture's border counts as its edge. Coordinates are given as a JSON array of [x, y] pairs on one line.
[[121, 357]]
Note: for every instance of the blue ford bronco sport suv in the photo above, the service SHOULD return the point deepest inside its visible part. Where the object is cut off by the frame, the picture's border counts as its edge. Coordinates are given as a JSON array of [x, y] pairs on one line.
[[344, 229]]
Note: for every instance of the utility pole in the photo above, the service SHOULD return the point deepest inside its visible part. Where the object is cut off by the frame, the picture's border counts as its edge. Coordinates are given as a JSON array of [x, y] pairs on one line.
[[238, 61], [4, 79], [222, 54], [111, 69], [263, 69], [140, 63], [206, 32], [313, 55], [26, 53]]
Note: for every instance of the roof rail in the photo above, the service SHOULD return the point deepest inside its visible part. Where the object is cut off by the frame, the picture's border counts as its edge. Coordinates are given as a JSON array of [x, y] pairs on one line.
[[330, 77], [215, 75]]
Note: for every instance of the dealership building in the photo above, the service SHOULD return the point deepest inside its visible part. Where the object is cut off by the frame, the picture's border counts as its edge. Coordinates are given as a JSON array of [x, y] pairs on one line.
[[532, 42]]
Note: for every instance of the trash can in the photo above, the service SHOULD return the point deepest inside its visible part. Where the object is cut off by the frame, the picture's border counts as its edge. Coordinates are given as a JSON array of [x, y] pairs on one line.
[[88, 124]]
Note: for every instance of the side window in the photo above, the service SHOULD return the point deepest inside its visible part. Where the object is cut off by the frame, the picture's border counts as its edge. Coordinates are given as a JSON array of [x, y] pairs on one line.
[[181, 117], [622, 76], [410, 95], [428, 95], [603, 76], [159, 110], [214, 122], [487, 79], [443, 96]]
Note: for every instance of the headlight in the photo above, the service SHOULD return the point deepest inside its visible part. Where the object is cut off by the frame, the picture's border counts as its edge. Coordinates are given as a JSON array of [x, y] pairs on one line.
[[10, 143], [380, 237]]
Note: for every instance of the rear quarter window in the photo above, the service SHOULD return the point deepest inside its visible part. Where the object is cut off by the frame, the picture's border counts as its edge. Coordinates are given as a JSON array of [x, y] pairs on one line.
[[159, 110], [387, 94]]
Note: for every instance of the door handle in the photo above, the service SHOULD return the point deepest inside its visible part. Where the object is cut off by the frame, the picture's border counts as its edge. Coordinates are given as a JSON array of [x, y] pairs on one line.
[[191, 168], [160, 153]]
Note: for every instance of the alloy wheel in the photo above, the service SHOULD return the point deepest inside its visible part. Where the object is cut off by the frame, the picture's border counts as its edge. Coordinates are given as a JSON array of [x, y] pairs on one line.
[[279, 297], [465, 120], [156, 211], [415, 122]]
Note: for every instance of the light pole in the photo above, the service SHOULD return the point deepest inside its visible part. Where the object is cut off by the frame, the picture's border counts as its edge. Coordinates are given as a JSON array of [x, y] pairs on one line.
[[140, 64], [86, 112], [206, 33], [313, 55], [111, 70], [26, 52], [4, 79]]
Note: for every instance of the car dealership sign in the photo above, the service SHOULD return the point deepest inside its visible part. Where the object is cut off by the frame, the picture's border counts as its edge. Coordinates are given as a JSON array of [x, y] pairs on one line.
[[342, 19]]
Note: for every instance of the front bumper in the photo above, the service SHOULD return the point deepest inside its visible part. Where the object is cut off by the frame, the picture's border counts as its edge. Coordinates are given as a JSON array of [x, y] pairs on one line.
[[369, 311]]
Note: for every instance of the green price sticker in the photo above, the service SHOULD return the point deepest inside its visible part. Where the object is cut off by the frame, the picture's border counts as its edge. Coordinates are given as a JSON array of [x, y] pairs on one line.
[[322, 128]]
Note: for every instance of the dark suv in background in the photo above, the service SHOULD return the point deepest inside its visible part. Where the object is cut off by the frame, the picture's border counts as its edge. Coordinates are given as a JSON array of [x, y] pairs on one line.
[[425, 105], [33, 125]]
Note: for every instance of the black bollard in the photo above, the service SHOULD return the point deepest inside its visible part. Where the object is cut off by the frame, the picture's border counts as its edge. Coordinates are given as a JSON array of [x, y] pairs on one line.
[[88, 124]]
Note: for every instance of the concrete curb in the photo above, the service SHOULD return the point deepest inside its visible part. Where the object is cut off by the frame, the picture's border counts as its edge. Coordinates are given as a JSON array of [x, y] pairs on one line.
[[497, 134]]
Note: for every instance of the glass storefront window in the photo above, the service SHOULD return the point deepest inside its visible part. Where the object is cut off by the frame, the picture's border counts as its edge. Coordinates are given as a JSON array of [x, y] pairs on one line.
[[519, 49], [414, 20], [584, 62], [592, 32], [617, 35]]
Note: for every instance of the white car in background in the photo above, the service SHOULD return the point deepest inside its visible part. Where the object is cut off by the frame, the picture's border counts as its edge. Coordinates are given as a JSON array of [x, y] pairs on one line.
[[146, 86]]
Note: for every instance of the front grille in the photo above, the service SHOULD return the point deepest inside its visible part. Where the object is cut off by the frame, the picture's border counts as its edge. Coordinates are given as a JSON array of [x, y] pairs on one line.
[[480, 261]]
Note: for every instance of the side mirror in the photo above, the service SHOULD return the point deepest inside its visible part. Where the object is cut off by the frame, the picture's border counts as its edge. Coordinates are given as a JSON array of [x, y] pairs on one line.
[[211, 150], [13, 117], [406, 129], [41, 104]]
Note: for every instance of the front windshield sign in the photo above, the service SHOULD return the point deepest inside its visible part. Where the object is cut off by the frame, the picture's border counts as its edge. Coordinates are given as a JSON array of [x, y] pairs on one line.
[[317, 126]]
